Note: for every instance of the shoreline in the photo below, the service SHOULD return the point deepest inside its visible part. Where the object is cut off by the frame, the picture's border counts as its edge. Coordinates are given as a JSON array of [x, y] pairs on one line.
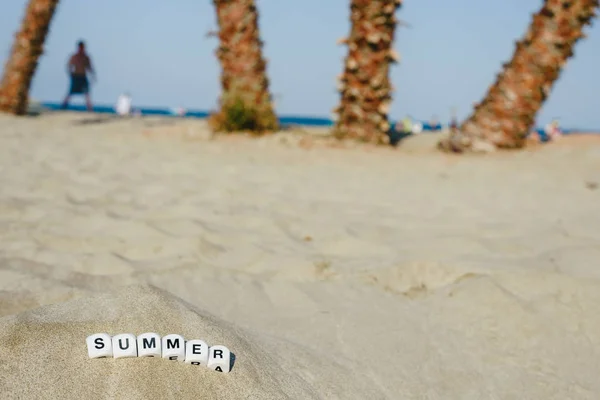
[[286, 120]]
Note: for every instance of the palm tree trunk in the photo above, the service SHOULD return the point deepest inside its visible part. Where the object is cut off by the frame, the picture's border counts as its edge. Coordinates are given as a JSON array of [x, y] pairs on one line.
[[26, 50], [364, 86], [507, 113], [245, 103]]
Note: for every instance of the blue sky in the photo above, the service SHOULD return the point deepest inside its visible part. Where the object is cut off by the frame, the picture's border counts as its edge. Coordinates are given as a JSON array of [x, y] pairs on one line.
[[160, 54]]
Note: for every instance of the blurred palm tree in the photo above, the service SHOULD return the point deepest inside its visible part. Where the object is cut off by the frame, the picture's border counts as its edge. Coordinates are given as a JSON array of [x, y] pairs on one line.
[[507, 113], [26, 50], [245, 102], [364, 86]]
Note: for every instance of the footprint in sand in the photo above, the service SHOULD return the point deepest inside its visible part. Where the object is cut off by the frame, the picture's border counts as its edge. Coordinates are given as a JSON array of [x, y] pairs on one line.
[[416, 279]]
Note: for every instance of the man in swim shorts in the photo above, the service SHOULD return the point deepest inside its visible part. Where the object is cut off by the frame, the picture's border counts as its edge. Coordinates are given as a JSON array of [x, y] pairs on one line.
[[78, 67]]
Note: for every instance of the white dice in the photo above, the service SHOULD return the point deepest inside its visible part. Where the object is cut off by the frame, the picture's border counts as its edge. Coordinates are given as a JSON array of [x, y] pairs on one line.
[[173, 347], [124, 345], [99, 345], [149, 345], [196, 352], [219, 358]]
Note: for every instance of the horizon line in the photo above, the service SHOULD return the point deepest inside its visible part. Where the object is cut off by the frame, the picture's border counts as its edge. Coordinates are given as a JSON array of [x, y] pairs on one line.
[[305, 120]]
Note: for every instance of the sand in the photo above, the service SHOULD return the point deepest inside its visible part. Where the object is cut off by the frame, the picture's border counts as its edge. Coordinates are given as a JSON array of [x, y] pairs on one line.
[[330, 273]]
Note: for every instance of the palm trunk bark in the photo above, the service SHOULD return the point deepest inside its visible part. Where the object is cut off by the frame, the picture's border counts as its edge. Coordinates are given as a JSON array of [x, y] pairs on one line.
[[364, 86], [507, 113], [245, 102], [26, 51]]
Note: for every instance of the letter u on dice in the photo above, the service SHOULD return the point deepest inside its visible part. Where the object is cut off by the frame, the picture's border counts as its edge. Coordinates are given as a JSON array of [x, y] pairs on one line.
[[170, 347]]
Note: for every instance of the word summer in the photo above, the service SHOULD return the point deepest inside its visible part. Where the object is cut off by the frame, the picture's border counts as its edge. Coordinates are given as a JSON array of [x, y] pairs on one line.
[[172, 347]]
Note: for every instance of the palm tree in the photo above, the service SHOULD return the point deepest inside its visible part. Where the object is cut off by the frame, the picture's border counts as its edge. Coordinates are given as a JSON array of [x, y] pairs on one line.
[[507, 113], [23, 61], [245, 102], [364, 86]]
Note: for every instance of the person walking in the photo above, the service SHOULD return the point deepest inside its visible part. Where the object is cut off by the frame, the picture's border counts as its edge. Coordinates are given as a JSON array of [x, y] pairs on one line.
[[78, 67]]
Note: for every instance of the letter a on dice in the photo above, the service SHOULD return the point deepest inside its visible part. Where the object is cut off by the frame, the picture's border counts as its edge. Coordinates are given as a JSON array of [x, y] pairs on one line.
[[219, 358], [196, 352], [99, 345], [149, 345], [173, 347], [124, 345]]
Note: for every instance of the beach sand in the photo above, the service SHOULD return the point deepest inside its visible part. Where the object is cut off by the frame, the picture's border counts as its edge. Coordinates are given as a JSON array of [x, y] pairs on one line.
[[330, 273]]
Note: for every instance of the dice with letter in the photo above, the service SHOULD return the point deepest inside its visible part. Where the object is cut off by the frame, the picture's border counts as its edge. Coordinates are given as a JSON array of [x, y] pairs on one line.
[[196, 352], [99, 345], [124, 345], [173, 347], [149, 345], [219, 358]]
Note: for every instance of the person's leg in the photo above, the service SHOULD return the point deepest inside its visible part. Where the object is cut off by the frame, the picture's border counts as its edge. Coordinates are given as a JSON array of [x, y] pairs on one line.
[[86, 92], [65, 102], [88, 102]]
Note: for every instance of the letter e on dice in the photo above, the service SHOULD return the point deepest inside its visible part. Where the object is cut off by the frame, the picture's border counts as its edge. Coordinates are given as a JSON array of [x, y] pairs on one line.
[[196, 352]]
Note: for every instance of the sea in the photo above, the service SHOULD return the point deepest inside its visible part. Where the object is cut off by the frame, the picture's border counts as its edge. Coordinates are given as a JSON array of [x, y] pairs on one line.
[[285, 121]]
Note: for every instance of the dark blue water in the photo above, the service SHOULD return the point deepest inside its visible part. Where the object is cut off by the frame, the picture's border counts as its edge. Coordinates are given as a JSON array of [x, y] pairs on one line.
[[163, 111], [283, 120]]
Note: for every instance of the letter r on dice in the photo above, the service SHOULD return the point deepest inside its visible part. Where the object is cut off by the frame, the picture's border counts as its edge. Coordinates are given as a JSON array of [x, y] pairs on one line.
[[219, 358]]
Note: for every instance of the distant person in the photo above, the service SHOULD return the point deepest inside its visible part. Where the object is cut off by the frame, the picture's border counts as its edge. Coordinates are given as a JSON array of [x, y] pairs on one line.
[[407, 125], [552, 130], [417, 128], [179, 111], [535, 137], [453, 125], [123, 106], [78, 67], [401, 130], [434, 123]]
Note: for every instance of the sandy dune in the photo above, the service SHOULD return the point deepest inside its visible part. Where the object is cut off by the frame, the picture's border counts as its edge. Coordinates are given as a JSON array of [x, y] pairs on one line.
[[355, 273]]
